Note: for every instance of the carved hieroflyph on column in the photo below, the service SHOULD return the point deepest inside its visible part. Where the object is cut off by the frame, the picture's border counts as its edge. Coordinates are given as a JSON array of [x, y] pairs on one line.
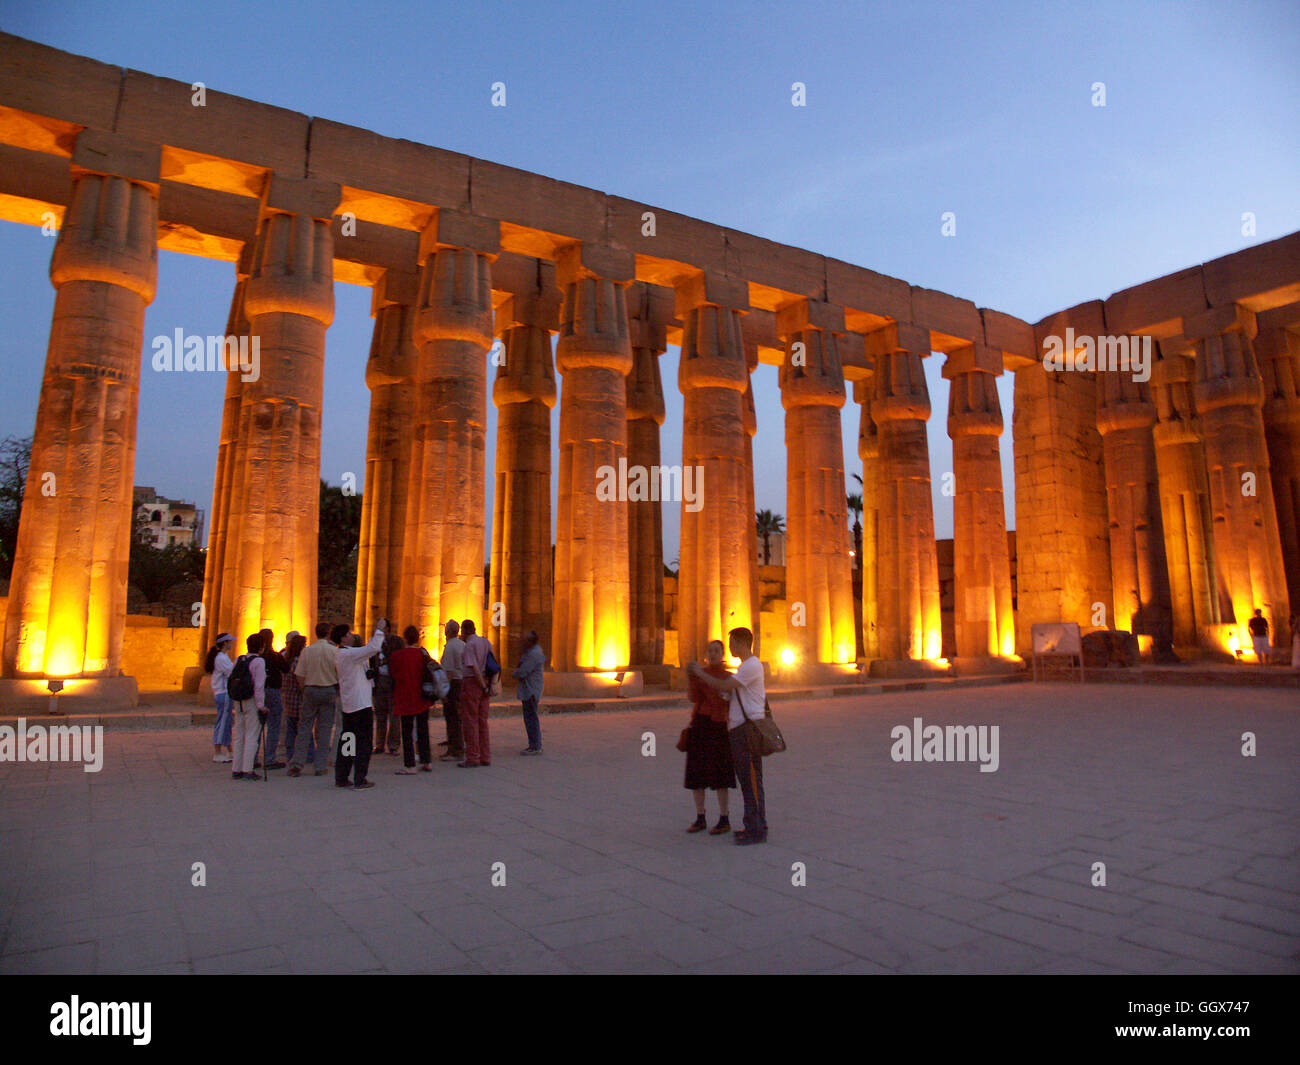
[[1139, 575], [67, 595], [982, 616], [390, 376], [645, 414], [269, 570], [1229, 394], [442, 562], [819, 571], [715, 590], [1184, 496], [594, 355], [907, 565], [524, 393]]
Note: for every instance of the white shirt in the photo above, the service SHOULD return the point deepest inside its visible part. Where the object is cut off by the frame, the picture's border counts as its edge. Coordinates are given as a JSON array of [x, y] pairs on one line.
[[453, 658], [221, 668], [355, 688], [752, 690]]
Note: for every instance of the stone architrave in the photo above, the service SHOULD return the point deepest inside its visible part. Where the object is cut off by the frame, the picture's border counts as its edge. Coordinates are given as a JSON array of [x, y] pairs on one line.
[[1278, 351], [1229, 395], [442, 561], [269, 570], [390, 376], [982, 617], [67, 593], [819, 570], [592, 596], [645, 414], [715, 578], [524, 393], [1184, 497], [1139, 573]]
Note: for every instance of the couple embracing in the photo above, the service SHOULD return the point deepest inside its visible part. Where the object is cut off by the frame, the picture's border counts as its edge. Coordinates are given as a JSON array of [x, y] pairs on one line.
[[718, 742]]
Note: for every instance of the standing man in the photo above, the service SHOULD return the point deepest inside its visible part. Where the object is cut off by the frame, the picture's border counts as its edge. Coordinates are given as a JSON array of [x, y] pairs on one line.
[[474, 702], [748, 699], [249, 710], [453, 659], [356, 704], [320, 679], [275, 667], [1259, 637], [529, 675]]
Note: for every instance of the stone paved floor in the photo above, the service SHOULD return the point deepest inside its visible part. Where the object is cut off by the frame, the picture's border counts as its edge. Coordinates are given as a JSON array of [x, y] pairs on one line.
[[910, 867]]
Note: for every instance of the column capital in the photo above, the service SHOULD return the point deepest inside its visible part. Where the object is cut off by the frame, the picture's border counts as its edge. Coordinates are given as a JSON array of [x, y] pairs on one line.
[[300, 196], [538, 306], [1122, 402], [709, 287], [900, 392], [974, 408], [394, 287], [898, 336], [1225, 318], [970, 359]]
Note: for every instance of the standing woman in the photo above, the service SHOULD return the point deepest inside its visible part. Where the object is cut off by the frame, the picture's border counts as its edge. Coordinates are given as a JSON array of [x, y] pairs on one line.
[[708, 751], [291, 693], [410, 668], [386, 726], [219, 664]]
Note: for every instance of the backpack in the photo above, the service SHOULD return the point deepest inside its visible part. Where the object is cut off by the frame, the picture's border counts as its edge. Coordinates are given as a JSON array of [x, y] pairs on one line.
[[240, 685], [491, 668]]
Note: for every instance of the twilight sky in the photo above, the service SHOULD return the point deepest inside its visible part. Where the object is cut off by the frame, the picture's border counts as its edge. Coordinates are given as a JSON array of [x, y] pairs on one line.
[[912, 110]]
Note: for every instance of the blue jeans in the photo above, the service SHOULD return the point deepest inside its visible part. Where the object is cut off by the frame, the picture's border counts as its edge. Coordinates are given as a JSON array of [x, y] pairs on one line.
[[225, 725], [749, 775], [274, 710], [532, 725]]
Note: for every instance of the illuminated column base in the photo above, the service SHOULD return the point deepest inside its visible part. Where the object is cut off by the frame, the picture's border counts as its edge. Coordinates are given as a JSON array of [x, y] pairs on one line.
[[611, 684], [80, 695]]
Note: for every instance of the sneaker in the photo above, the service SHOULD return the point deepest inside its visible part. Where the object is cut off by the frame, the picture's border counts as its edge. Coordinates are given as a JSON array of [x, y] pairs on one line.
[[531, 750], [224, 759], [295, 771], [218, 757], [721, 828], [363, 785]]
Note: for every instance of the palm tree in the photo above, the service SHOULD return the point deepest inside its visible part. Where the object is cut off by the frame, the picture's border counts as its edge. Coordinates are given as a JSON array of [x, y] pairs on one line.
[[768, 525], [855, 505]]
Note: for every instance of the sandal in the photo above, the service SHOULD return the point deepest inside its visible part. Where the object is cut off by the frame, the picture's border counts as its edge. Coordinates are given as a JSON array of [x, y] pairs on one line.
[[404, 772]]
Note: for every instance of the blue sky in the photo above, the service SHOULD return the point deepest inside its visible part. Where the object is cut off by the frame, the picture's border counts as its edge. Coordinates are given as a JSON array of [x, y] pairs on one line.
[[912, 110]]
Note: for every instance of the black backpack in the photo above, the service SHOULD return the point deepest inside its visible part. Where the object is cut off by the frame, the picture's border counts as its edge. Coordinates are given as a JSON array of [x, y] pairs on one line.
[[240, 685]]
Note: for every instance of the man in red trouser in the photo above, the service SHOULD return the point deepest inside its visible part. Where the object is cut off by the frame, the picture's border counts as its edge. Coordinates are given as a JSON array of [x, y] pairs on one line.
[[474, 703]]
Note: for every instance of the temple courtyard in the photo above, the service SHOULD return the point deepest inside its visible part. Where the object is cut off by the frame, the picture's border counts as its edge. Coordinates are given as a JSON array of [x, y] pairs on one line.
[[578, 861]]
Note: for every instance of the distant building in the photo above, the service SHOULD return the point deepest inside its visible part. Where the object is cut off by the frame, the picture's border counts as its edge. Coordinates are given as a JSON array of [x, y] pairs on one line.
[[776, 546], [167, 521]]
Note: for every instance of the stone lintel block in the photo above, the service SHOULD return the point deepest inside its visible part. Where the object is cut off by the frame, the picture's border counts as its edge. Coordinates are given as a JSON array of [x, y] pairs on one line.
[[974, 357], [675, 237], [305, 196], [949, 315], [854, 362], [229, 127], [758, 329], [1287, 316], [207, 212], [901, 336], [539, 309], [361, 159], [1009, 334], [594, 260], [101, 152], [536, 202], [862, 390], [1225, 318], [456, 229], [1145, 306], [1086, 319], [809, 314], [1251, 271], [395, 287], [42, 80], [867, 291], [1171, 348], [373, 247], [778, 266], [33, 175], [709, 287]]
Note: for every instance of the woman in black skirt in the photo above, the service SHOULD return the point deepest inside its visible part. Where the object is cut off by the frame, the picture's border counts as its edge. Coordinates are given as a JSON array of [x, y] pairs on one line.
[[708, 751]]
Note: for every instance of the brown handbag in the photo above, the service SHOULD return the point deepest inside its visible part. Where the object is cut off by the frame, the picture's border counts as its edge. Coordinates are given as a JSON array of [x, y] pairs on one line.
[[763, 735]]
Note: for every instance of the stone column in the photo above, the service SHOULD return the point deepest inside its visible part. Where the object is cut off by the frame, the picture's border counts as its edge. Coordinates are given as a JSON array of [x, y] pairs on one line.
[[594, 354], [908, 620], [714, 583], [214, 572], [982, 616], [645, 414], [67, 595], [1229, 396], [869, 453], [390, 376], [1139, 574], [269, 572], [442, 562], [1278, 350], [524, 393], [819, 573], [751, 430], [1184, 497]]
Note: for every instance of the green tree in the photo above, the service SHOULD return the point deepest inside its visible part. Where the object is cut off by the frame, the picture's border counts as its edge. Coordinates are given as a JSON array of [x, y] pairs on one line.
[[768, 525], [155, 570], [340, 536], [15, 457]]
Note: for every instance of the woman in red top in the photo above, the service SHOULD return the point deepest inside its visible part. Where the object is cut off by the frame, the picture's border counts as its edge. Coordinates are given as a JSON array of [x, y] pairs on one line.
[[708, 751], [410, 704]]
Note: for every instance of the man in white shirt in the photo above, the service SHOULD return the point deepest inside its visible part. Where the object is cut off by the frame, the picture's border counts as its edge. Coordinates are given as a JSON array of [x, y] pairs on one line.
[[248, 713], [748, 699], [356, 705]]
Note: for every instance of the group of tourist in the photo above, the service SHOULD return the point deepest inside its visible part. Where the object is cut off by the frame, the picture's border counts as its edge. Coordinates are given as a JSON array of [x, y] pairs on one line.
[[340, 700]]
